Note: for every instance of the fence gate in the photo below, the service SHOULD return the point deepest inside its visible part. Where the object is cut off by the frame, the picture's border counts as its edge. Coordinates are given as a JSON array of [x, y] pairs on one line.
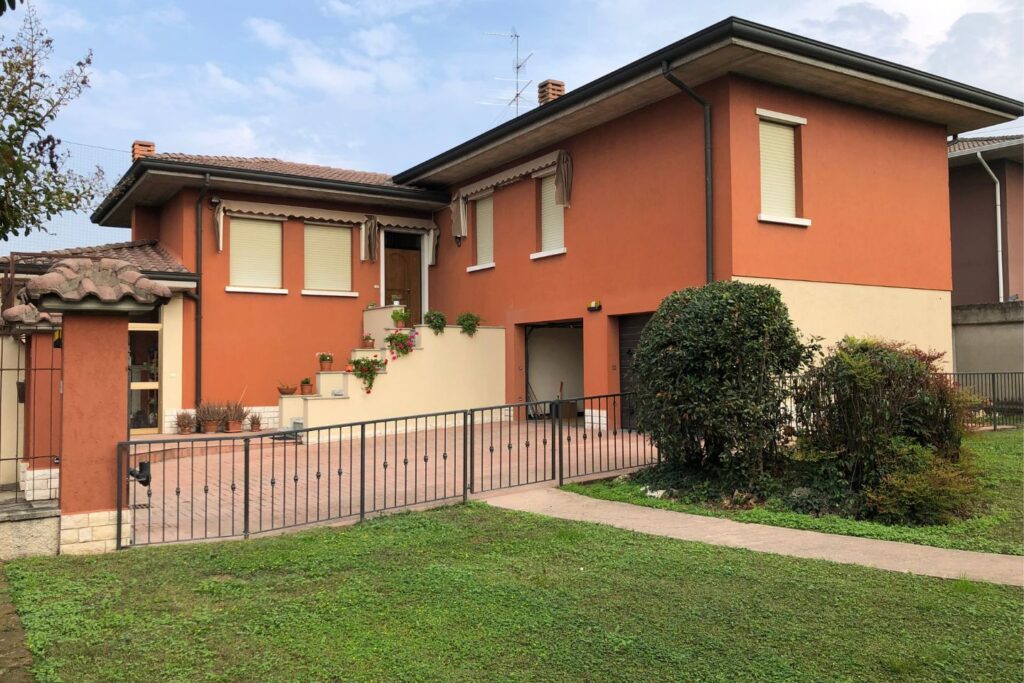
[[31, 406]]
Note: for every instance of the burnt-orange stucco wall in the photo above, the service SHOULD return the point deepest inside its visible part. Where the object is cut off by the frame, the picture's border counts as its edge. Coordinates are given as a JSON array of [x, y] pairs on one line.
[[873, 184], [253, 341], [42, 416], [634, 233], [95, 410]]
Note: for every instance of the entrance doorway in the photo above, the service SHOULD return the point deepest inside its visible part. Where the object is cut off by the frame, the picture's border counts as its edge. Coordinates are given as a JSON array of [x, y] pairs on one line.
[[554, 360], [403, 271], [144, 375], [630, 327]]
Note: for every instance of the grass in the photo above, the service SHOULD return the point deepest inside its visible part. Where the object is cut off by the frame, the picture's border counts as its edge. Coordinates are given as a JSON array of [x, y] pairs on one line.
[[1000, 458], [476, 593]]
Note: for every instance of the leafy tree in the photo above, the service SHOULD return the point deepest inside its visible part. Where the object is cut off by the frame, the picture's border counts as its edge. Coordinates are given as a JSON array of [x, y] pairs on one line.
[[6, 5], [35, 181], [710, 369]]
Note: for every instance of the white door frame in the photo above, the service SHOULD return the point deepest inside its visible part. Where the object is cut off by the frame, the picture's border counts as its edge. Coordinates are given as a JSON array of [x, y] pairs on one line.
[[424, 279]]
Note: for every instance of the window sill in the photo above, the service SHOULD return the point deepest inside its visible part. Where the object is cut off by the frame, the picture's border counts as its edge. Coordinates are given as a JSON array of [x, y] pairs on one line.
[[784, 220], [544, 254], [329, 292], [255, 290], [482, 266]]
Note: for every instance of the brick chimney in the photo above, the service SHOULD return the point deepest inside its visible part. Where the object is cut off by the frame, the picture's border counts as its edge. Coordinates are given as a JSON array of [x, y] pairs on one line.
[[549, 91], [142, 148]]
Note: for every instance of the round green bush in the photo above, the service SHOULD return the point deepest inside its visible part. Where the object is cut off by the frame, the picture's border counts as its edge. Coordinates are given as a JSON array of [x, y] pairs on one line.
[[710, 369]]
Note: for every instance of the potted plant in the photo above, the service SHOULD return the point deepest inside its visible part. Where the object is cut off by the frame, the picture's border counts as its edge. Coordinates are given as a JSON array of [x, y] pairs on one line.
[[306, 386], [368, 341], [255, 422], [326, 359], [367, 369], [185, 422], [400, 343], [349, 367], [209, 415], [436, 320], [286, 389], [469, 322], [234, 415], [401, 317]]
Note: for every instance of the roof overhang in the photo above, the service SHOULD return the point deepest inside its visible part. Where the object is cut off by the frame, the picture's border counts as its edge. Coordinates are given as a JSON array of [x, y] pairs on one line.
[[733, 46], [1011, 150], [152, 182]]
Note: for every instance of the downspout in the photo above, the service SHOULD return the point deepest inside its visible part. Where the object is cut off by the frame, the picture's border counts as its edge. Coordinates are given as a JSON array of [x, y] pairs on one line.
[[199, 292], [999, 226], [709, 216]]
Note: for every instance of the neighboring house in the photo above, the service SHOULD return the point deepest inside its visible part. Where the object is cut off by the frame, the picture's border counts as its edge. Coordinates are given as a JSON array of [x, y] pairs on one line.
[[986, 204], [565, 227]]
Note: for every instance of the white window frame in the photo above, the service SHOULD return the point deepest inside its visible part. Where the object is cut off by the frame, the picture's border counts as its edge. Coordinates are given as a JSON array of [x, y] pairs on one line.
[[794, 122], [246, 289], [487, 194], [344, 293], [545, 253]]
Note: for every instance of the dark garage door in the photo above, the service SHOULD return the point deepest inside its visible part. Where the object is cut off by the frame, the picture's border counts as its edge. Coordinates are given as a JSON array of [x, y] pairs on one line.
[[630, 327]]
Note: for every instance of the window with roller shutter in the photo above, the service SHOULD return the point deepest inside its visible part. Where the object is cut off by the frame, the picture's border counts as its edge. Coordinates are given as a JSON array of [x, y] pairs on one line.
[[255, 253]]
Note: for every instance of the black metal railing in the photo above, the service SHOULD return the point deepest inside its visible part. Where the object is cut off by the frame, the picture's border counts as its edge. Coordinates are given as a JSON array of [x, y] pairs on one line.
[[1000, 397], [221, 486]]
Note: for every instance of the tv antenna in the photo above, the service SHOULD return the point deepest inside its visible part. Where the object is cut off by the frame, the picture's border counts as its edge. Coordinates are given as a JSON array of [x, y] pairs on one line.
[[518, 66]]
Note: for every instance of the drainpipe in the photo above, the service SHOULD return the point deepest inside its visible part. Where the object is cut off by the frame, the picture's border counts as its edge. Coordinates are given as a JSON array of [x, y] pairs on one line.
[[709, 216], [199, 291], [999, 226]]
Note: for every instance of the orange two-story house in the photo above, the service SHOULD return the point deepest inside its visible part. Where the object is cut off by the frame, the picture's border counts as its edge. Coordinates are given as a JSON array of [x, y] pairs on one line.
[[740, 152]]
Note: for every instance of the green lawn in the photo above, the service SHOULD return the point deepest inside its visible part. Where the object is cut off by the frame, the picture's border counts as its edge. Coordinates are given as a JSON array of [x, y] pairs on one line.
[[999, 530], [475, 593]]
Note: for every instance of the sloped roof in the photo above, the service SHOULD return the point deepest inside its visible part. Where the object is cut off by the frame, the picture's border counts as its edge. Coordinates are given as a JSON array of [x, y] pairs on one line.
[[980, 143], [146, 255], [107, 280], [272, 165]]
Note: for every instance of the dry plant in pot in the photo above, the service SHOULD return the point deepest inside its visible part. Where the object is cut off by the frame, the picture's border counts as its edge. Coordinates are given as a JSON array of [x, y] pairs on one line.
[[255, 422], [368, 341], [234, 415], [185, 422], [209, 417], [286, 389]]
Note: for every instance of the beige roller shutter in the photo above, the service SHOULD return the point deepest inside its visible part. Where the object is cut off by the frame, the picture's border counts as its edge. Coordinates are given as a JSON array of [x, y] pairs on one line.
[[255, 251], [552, 217], [484, 230], [778, 169], [328, 258]]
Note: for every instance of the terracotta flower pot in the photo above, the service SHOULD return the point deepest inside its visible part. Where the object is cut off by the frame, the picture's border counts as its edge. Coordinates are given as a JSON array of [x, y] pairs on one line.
[[350, 368], [325, 365], [233, 426], [286, 391], [184, 430], [368, 344], [400, 324], [305, 389], [211, 426]]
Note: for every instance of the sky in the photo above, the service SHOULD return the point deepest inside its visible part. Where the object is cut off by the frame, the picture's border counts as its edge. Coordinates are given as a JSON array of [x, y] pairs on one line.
[[380, 85]]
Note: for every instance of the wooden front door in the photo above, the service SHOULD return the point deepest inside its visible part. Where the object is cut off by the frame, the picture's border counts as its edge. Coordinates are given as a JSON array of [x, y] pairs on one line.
[[402, 280]]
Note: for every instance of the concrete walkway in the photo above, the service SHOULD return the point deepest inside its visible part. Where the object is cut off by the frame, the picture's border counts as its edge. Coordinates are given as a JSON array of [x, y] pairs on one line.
[[900, 557]]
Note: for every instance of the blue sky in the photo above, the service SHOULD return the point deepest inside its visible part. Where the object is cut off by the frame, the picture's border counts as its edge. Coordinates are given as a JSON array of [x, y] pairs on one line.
[[381, 85]]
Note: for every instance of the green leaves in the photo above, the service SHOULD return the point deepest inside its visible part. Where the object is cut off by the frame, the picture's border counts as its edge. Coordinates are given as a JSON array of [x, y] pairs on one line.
[[35, 183]]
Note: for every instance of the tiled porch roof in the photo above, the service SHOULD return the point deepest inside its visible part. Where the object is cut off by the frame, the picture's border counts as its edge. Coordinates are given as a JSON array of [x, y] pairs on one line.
[[147, 255], [272, 165], [966, 144]]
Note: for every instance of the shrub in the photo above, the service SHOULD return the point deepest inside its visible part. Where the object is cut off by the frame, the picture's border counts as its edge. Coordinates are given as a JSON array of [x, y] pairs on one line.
[[436, 320], [868, 400], [709, 369], [939, 493], [469, 322]]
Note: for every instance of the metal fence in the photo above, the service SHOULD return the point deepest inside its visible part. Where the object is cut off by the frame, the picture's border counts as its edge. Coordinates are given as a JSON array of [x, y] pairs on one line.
[[222, 486], [1000, 397]]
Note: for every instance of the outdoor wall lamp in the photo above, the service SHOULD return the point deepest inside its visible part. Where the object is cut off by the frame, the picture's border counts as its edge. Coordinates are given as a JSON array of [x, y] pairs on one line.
[[143, 475], [594, 306], [458, 240]]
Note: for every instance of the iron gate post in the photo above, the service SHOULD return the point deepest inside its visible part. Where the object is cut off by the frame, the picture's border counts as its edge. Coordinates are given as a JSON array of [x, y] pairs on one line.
[[120, 490], [362, 471], [556, 423], [992, 399], [467, 421], [245, 488], [471, 453]]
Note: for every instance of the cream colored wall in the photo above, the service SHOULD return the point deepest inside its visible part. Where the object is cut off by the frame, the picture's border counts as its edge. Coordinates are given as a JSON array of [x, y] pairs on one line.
[[171, 350], [376, 321], [450, 371], [12, 427], [555, 356], [920, 317]]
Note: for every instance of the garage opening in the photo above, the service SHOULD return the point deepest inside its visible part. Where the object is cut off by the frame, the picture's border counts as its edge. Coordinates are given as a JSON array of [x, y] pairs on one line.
[[554, 360], [630, 327]]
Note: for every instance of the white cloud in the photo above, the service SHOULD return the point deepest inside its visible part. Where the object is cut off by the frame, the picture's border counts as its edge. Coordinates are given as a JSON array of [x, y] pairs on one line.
[[270, 33], [379, 41]]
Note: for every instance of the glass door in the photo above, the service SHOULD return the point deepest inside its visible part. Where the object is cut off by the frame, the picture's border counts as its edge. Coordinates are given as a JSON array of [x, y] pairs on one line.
[[144, 371]]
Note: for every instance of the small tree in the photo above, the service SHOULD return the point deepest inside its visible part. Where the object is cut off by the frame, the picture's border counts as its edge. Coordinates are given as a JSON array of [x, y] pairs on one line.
[[35, 182], [710, 370]]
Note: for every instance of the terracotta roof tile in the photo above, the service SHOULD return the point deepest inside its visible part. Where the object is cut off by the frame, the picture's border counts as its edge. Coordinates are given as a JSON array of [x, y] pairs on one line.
[[981, 142], [108, 280], [146, 255], [271, 165]]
